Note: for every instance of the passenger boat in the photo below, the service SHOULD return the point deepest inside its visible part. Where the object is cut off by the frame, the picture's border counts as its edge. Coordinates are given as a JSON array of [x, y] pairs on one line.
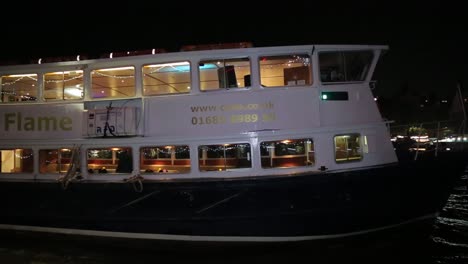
[[209, 144]]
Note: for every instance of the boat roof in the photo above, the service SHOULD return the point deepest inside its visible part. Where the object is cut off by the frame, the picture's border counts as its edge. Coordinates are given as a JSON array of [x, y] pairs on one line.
[[186, 52]]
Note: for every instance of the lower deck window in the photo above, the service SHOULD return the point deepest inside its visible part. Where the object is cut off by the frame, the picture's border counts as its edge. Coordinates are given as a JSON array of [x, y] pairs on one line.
[[16, 161], [110, 160], [348, 148], [165, 159], [224, 157], [54, 160], [287, 153]]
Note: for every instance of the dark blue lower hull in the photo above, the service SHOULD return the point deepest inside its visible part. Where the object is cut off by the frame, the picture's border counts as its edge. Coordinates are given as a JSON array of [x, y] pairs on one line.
[[287, 208]]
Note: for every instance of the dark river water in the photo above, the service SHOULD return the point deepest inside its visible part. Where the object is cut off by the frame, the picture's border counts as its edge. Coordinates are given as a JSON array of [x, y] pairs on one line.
[[447, 244]]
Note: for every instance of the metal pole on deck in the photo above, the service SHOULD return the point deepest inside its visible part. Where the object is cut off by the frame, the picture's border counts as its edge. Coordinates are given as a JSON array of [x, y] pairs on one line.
[[437, 137], [462, 103], [417, 142]]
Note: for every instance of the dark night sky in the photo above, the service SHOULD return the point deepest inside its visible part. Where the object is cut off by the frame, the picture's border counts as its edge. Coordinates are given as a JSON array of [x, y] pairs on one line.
[[427, 41]]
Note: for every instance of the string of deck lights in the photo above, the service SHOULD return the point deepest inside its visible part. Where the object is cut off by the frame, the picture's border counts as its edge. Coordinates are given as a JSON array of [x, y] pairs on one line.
[[152, 152], [160, 68], [113, 76], [28, 156], [64, 80], [19, 79]]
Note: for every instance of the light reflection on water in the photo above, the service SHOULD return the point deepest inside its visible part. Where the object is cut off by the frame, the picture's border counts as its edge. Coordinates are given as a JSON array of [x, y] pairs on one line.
[[448, 244], [450, 235]]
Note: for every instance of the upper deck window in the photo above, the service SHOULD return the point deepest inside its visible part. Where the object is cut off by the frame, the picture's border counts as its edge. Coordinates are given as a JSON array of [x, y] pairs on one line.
[[285, 70], [18, 88], [344, 66], [113, 82], [224, 74], [67, 85], [166, 78]]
